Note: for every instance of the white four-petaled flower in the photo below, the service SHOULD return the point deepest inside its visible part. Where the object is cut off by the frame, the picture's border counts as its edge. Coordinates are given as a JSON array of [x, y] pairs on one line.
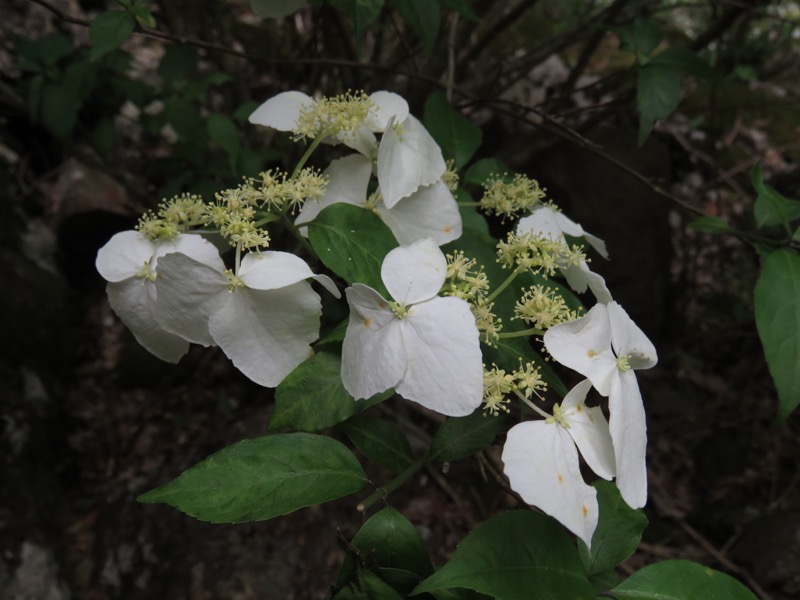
[[425, 346], [606, 346], [541, 462]]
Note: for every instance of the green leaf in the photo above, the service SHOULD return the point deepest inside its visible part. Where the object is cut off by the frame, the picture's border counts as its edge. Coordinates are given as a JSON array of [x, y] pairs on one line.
[[641, 38], [777, 307], [684, 60], [710, 224], [658, 92], [379, 441], [618, 532], [422, 17], [680, 580], [459, 437], [511, 555], [389, 540], [223, 131], [108, 31], [178, 62], [361, 12], [262, 478], [38, 55], [481, 170], [352, 242], [772, 208], [368, 586], [458, 137], [276, 9], [59, 109], [312, 396]]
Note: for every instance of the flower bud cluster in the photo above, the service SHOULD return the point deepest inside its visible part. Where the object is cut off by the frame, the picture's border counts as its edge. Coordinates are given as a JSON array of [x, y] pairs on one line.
[[504, 198], [234, 215], [467, 281], [333, 115], [278, 192], [450, 176], [174, 216], [538, 253], [542, 307], [498, 385]]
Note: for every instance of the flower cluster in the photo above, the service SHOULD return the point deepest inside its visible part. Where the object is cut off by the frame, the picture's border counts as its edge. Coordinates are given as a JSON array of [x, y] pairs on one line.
[[505, 196], [498, 385], [466, 280], [542, 307]]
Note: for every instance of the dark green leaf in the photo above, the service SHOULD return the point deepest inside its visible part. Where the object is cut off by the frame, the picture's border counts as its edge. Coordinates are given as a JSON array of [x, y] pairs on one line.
[[262, 478], [680, 580], [379, 441], [710, 225], [108, 31], [772, 208], [470, 217], [368, 586], [641, 38], [458, 137], [178, 62], [460, 437], [361, 12], [481, 170], [37, 55], [618, 532], [224, 132], [422, 17], [658, 92], [684, 60], [59, 109], [389, 540], [352, 242], [276, 9], [511, 555], [777, 307], [312, 396]]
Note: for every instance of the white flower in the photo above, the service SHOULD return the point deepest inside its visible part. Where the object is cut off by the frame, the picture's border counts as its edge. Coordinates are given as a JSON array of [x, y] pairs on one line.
[[606, 346], [541, 462], [430, 212], [424, 346], [264, 317], [554, 225], [128, 262]]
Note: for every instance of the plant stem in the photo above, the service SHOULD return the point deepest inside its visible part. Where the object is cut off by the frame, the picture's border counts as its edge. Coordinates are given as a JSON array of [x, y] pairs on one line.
[[523, 333], [309, 151], [505, 284], [395, 483]]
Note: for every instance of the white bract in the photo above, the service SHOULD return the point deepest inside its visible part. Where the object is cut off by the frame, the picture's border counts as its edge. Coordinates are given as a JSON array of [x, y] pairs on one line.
[[541, 462], [128, 262], [264, 317], [606, 346], [554, 225], [430, 212], [425, 346]]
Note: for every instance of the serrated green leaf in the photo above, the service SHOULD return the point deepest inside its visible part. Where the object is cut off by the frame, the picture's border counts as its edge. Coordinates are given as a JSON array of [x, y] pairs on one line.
[[108, 31], [484, 168], [457, 136], [618, 531], [422, 17], [361, 12], [772, 208], [276, 9], [312, 396], [680, 580], [658, 92], [684, 60], [777, 308], [352, 242], [264, 477], [379, 441], [511, 555], [710, 224], [459, 437], [389, 540]]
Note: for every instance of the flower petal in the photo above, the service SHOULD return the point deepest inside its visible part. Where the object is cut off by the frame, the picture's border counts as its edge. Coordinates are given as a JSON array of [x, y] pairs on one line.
[[580, 277], [585, 346], [281, 112], [348, 181], [387, 105], [124, 255], [628, 428], [570, 227], [373, 353], [134, 301], [361, 140], [273, 270], [444, 371], [541, 463], [188, 293], [628, 339], [589, 430], [266, 334], [192, 245], [415, 272], [407, 160], [429, 212]]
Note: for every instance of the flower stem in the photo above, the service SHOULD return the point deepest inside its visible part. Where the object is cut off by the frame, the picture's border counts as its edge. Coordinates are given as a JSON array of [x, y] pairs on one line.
[[395, 483], [535, 408], [505, 284], [522, 333], [287, 223], [309, 151]]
